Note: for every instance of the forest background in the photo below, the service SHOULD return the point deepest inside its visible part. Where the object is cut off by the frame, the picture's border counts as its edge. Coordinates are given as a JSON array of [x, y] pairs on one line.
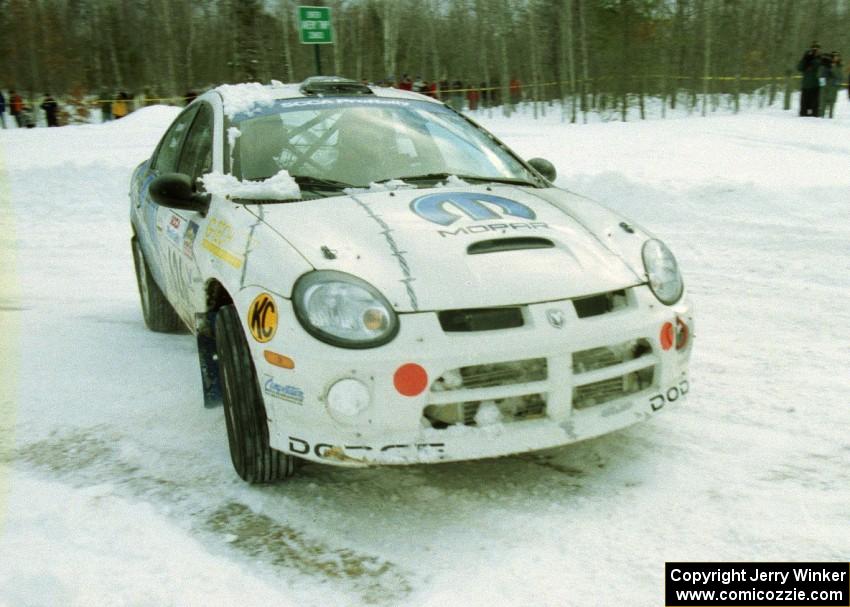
[[598, 54]]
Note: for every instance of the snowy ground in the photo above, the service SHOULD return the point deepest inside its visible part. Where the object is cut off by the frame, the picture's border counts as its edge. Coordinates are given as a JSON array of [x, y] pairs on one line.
[[120, 489]]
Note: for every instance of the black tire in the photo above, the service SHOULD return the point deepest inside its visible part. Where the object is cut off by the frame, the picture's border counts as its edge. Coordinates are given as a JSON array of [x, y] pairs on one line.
[[159, 315], [244, 412]]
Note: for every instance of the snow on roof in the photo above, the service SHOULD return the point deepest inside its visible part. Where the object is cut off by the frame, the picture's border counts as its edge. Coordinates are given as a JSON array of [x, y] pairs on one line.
[[251, 97]]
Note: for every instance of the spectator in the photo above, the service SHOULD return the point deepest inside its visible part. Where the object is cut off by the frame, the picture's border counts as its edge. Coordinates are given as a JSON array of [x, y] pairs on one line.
[[472, 97], [105, 106], [833, 73], [27, 116], [2, 110], [495, 93], [406, 83], [810, 87], [120, 108], [419, 85], [16, 106], [484, 93], [516, 91], [432, 90], [189, 97], [457, 95], [50, 108], [442, 89]]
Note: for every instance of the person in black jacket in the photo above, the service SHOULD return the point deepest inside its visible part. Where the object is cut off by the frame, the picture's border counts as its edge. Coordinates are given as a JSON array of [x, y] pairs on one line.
[[50, 108], [810, 87]]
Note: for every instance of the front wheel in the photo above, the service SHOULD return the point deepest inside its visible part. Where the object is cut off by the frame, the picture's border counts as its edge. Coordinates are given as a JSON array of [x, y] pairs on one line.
[[244, 412]]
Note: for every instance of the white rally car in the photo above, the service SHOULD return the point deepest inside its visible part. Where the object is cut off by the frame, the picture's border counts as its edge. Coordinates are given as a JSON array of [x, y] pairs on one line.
[[374, 279]]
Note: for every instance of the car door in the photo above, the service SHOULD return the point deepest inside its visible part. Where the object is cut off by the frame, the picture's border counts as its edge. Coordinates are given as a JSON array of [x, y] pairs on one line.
[[183, 283], [164, 160]]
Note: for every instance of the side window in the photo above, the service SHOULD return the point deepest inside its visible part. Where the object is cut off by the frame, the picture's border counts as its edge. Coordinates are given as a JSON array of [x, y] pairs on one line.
[[196, 158], [169, 147]]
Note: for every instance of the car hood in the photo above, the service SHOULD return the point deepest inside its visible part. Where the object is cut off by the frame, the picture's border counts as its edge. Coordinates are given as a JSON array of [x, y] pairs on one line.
[[467, 247]]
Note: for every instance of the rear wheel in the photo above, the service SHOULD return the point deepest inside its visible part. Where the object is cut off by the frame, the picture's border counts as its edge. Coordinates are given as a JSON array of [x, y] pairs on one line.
[[244, 412], [159, 315]]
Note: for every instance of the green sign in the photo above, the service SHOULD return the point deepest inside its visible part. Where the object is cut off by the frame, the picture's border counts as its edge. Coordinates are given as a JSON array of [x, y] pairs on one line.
[[314, 25]]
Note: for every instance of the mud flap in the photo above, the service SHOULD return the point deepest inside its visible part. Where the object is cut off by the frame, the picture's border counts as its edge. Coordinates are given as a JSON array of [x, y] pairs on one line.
[[210, 376]]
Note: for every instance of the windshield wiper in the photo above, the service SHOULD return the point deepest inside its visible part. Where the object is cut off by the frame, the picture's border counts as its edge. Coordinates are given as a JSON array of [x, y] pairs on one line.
[[308, 181], [472, 178]]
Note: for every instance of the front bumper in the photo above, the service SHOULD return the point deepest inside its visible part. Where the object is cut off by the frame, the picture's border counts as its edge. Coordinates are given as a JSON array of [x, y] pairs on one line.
[[395, 429]]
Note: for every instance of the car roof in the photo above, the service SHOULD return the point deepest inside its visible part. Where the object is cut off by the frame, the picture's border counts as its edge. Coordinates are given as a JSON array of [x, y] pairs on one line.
[[249, 96]]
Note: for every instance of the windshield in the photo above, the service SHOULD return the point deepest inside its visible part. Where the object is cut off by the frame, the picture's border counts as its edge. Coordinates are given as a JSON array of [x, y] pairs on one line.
[[355, 142]]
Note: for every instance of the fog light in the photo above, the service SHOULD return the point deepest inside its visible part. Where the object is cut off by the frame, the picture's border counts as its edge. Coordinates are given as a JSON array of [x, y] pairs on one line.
[[347, 398]]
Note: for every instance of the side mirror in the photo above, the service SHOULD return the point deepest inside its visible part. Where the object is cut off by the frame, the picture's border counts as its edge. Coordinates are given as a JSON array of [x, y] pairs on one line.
[[174, 190], [544, 167]]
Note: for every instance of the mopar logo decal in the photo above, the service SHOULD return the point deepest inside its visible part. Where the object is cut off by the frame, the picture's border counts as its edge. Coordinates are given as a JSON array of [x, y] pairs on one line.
[[446, 208]]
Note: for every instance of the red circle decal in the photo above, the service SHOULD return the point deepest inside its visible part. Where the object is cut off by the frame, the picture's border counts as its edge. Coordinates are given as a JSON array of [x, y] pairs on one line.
[[410, 379], [668, 336]]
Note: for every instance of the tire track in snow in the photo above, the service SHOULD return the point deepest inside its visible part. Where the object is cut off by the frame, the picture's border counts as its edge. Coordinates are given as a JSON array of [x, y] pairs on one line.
[[89, 457]]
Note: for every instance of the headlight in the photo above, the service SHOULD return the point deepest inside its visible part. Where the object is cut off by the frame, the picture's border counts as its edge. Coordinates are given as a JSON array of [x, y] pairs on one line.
[[662, 272], [343, 310]]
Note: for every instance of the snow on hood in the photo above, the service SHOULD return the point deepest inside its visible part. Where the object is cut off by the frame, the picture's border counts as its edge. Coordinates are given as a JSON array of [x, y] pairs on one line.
[[384, 186], [413, 245], [397, 184], [280, 186]]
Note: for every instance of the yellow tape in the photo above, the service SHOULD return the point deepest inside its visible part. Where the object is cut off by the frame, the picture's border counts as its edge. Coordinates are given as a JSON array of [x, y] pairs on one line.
[[9, 333], [179, 99]]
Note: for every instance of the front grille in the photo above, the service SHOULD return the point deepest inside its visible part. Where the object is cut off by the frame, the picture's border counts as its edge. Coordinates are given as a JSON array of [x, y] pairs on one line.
[[495, 374], [513, 409], [480, 319], [596, 305], [607, 390], [608, 356]]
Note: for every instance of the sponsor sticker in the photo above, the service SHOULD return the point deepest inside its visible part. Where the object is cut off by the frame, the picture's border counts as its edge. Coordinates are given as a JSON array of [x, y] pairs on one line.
[[445, 208], [189, 239], [262, 318], [292, 394], [172, 230], [216, 238]]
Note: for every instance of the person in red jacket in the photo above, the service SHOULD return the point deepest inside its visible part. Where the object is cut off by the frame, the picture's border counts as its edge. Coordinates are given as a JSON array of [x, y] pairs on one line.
[[516, 91], [16, 106], [406, 83], [472, 97]]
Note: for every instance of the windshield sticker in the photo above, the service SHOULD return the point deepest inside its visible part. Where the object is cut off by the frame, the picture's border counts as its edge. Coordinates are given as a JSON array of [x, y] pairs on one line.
[[338, 102], [446, 208]]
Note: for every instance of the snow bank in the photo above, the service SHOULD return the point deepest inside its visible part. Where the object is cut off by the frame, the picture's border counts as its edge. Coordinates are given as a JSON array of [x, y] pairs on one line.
[[278, 187]]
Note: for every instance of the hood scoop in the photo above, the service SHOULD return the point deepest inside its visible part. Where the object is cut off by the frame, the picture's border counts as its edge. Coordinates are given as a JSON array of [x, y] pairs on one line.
[[499, 245]]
